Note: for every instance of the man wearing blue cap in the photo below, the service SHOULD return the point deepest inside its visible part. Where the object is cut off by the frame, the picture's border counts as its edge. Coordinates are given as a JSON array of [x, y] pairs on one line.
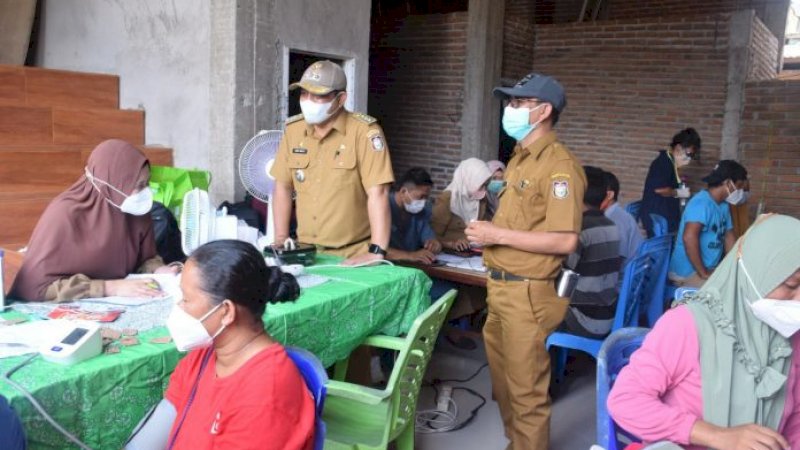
[[536, 226]]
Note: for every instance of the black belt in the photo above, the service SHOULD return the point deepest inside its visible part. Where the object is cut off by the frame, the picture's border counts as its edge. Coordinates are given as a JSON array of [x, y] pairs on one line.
[[505, 276]]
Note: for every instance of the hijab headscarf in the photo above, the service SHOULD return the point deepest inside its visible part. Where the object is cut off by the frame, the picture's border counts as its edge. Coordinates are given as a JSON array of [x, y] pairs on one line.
[[80, 232], [495, 165], [744, 363], [469, 176]]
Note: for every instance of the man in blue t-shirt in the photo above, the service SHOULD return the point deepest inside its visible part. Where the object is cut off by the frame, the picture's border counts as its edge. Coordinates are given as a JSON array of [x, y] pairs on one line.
[[662, 188], [706, 229], [412, 237]]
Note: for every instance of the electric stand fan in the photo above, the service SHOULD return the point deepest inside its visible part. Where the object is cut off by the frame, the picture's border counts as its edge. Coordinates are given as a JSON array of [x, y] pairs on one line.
[[255, 163]]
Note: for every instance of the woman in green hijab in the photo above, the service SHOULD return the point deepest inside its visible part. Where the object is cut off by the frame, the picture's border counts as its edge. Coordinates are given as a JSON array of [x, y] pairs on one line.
[[721, 371]]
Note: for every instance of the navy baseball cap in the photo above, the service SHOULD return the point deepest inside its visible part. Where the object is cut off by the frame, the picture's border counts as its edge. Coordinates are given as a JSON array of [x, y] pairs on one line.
[[724, 170], [535, 85]]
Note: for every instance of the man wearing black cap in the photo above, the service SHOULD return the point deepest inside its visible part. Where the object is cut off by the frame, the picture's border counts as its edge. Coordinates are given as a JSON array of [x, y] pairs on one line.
[[338, 164], [536, 226], [706, 229]]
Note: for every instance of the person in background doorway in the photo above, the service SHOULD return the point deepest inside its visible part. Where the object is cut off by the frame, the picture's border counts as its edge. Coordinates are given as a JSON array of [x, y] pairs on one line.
[[338, 164], [495, 187], [706, 230], [412, 237], [662, 188], [96, 233], [721, 370], [597, 261], [630, 238], [536, 226], [462, 201]]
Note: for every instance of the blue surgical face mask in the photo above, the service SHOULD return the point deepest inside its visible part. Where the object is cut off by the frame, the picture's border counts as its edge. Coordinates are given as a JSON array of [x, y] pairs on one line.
[[495, 186], [516, 122]]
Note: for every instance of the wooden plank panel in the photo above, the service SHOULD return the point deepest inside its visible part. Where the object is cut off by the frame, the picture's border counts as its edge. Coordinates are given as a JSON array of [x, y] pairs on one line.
[[160, 156], [56, 167], [47, 87], [12, 262], [12, 85], [26, 125], [18, 216], [92, 126]]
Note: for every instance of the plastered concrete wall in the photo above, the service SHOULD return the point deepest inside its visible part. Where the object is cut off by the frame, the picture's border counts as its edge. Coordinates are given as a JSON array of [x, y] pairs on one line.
[[161, 51], [267, 31], [209, 73]]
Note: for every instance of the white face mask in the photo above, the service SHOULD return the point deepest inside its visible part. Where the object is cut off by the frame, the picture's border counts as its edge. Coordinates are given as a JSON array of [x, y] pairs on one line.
[[136, 204], [188, 332], [315, 113], [782, 316], [737, 197], [415, 206]]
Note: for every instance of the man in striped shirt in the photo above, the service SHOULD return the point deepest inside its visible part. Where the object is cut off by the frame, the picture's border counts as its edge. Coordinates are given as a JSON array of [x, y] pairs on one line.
[[597, 260]]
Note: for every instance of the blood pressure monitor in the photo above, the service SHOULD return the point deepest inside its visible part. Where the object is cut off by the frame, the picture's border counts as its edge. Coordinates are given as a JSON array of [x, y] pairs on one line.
[[77, 342]]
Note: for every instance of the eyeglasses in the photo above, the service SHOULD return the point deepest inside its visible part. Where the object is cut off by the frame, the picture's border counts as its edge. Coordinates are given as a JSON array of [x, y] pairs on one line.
[[516, 102]]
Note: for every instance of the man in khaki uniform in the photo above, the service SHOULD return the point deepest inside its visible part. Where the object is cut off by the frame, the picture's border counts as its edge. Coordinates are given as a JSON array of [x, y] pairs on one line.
[[536, 226], [338, 164]]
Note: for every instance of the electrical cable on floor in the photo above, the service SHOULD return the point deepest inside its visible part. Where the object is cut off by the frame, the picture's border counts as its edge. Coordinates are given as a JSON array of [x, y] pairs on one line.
[[35, 403], [445, 417]]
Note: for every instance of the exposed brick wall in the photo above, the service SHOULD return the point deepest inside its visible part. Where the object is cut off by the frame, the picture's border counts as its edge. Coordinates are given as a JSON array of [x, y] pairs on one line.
[[635, 9], [770, 144], [518, 38], [416, 89], [763, 53], [632, 85]]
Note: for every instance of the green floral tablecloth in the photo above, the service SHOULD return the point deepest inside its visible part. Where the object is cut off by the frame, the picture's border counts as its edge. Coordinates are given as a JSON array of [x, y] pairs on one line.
[[101, 400]]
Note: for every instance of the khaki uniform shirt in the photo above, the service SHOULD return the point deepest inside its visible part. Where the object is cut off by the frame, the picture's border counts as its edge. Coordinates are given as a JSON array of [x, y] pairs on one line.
[[331, 177], [544, 192]]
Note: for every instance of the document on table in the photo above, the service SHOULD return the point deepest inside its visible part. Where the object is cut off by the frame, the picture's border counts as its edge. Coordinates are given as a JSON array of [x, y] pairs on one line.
[[460, 262], [168, 283]]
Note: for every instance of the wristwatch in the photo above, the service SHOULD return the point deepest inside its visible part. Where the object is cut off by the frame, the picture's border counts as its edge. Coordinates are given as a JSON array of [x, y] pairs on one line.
[[376, 249]]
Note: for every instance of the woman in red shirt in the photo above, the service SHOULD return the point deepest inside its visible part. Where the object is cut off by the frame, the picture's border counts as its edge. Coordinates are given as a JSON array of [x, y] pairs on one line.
[[237, 388]]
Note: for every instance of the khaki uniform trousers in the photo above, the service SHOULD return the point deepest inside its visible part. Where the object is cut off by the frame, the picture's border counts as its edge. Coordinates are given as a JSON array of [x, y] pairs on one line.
[[521, 316], [348, 251]]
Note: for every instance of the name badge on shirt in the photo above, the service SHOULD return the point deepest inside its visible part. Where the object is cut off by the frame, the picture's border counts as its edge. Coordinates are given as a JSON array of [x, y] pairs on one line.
[[299, 151]]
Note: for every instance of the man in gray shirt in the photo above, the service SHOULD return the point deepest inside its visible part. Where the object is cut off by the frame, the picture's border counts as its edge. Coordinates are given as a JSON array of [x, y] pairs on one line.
[[597, 261], [630, 238]]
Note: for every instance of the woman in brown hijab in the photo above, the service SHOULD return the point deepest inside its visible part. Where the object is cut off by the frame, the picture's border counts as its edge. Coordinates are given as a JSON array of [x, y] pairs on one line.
[[94, 234]]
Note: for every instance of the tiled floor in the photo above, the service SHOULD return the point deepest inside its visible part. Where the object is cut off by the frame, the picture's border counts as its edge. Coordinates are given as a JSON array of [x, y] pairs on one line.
[[572, 423]]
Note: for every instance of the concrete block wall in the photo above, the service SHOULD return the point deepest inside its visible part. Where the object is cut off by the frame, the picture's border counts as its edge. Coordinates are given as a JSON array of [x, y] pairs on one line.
[[416, 90], [631, 85], [770, 144]]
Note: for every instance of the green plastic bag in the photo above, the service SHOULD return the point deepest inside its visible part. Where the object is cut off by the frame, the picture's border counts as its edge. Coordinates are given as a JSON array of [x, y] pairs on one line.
[[170, 184]]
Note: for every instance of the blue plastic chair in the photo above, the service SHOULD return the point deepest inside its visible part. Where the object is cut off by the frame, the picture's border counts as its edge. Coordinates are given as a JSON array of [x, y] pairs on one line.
[[614, 355], [633, 209], [683, 291], [661, 249], [315, 376], [660, 227], [637, 285]]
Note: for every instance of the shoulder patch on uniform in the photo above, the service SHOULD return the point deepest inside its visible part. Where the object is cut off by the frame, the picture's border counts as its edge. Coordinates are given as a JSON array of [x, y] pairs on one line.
[[375, 138], [365, 118], [294, 118], [560, 189], [560, 175]]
